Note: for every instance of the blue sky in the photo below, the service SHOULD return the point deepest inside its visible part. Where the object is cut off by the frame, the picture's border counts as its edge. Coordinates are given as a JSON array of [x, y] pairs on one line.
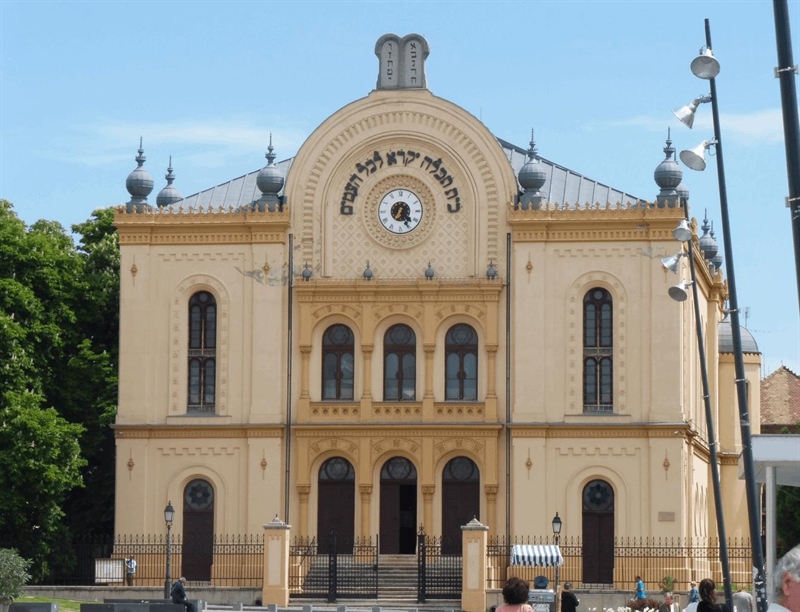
[[207, 82]]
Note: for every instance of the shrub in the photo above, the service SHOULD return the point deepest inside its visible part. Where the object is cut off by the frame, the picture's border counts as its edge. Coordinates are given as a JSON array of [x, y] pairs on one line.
[[13, 573], [641, 604], [668, 584]]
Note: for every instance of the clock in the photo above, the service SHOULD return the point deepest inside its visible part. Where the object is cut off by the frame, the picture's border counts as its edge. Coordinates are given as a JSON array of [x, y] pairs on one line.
[[400, 211]]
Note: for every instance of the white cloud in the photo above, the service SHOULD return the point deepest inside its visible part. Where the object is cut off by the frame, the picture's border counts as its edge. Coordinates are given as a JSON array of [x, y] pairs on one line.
[[208, 143], [756, 127]]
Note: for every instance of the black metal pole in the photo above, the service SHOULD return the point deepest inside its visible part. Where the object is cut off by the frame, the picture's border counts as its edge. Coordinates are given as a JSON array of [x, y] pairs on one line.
[[712, 438], [791, 122], [759, 583], [557, 537], [168, 578]]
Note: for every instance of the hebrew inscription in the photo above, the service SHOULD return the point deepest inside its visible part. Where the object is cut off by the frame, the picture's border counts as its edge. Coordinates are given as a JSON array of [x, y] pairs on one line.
[[401, 61], [378, 161]]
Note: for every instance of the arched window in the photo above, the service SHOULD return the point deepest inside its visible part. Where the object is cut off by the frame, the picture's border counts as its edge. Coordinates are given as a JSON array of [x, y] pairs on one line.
[[337, 363], [399, 364], [461, 363], [598, 351], [202, 352]]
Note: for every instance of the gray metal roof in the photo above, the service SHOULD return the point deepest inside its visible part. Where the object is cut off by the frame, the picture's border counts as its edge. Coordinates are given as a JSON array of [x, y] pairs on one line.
[[563, 186], [725, 335], [237, 192]]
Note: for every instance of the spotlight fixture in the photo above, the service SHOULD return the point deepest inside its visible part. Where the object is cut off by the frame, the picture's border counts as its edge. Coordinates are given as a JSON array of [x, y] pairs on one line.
[[673, 262], [678, 292]]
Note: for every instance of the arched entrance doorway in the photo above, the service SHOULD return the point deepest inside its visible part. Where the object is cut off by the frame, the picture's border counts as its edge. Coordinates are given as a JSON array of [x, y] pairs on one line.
[[198, 531], [598, 533], [398, 507], [336, 508], [460, 501]]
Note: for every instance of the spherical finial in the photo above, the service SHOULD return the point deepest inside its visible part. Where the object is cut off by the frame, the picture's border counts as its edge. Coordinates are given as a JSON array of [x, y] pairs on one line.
[[708, 245], [169, 194], [491, 271], [367, 274], [306, 272], [716, 261], [668, 173], [532, 175], [429, 273], [270, 179], [139, 182]]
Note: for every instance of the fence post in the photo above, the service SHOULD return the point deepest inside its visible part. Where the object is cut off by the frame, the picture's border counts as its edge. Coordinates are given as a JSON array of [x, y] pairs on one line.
[[473, 570], [332, 569], [422, 555], [275, 589]]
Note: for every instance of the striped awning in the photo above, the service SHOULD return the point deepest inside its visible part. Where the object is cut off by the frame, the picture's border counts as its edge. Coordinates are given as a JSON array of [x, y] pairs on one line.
[[537, 555]]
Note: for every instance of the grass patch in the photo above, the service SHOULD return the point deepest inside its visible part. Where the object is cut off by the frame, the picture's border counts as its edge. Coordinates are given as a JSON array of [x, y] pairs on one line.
[[64, 605]]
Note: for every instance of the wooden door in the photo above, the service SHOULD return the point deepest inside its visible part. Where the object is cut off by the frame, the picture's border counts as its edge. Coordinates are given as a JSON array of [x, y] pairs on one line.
[[198, 531], [460, 501], [598, 533], [336, 505]]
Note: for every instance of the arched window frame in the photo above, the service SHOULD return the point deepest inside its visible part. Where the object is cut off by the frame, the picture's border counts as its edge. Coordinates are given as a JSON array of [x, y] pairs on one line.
[[338, 363], [201, 380], [461, 364], [399, 364], [598, 351]]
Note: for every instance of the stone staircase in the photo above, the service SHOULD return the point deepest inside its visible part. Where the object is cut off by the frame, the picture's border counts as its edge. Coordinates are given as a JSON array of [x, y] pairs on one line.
[[397, 584]]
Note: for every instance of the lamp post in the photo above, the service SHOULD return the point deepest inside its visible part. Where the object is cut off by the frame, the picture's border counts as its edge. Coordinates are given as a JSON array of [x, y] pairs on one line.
[[707, 67], [683, 234], [556, 538], [169, 515]]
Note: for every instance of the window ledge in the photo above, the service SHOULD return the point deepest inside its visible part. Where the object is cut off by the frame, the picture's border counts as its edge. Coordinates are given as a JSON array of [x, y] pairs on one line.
[[199, 418]]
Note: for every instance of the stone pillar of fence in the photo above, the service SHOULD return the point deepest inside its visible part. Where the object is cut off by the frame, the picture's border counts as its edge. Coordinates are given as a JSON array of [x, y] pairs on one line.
[[275, 589], [474, 536]]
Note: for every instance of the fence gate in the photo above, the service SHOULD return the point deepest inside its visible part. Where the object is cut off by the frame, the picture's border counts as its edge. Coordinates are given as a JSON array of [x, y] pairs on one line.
[[439, 574], [351, 573]]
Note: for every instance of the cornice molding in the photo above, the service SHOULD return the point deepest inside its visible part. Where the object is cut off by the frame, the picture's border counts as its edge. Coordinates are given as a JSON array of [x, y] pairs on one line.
[[197, 431], [201, 226]]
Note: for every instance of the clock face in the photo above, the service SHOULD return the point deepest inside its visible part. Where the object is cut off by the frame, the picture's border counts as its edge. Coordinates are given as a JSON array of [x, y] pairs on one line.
[[400, 211]]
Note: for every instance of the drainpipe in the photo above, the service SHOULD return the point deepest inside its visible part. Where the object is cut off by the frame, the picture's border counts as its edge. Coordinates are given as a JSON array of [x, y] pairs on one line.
[[290, 284], [508, 387]]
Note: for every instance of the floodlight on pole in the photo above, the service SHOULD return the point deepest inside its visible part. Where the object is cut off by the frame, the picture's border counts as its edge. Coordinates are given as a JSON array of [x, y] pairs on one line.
[[707, 67], [686, 113], [696, 158], [678, 292], [682, 233], [672, 263], [712, 439]]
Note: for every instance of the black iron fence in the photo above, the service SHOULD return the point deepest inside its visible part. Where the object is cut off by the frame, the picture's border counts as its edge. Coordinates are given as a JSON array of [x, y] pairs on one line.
[[439, 574], [237, 560], [349, 571], [663, 563]]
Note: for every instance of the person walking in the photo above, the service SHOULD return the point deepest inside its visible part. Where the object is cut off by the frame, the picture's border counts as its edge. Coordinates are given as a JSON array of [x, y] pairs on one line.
[[178, 594], [130, 570], [694, 594], [640, 593], [569, 602]]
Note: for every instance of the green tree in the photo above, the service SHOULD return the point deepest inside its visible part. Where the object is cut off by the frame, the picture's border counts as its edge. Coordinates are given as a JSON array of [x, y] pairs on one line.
[[58, 382]]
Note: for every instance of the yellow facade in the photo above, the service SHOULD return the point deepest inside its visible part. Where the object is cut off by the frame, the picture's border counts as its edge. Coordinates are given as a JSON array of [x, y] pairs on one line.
[[535, 445]]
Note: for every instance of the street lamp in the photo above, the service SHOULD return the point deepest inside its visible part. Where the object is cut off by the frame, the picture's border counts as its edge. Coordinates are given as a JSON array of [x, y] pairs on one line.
[[707, 67], [556, 537], [169, 515], [678, 293]]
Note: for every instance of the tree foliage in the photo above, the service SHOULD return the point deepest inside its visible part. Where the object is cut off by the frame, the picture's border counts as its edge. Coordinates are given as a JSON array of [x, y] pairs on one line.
[[58, 381]]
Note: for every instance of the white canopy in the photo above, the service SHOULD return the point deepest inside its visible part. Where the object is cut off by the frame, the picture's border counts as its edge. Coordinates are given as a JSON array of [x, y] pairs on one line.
[[536, 555]]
